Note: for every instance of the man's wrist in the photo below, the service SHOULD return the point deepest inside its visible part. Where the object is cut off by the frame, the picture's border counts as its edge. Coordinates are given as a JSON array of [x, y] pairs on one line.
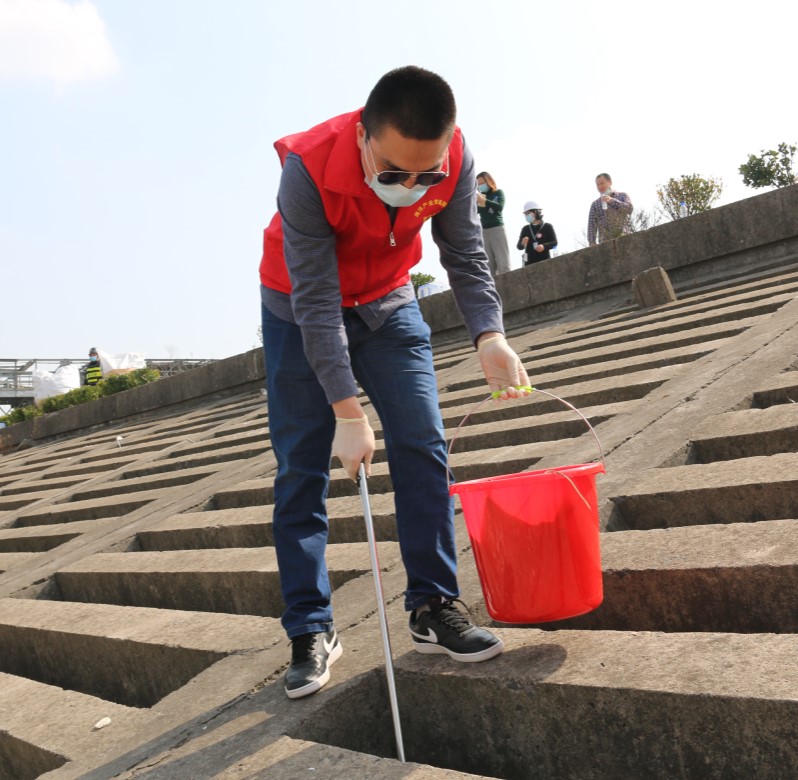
[[488, 337], [348, 408]]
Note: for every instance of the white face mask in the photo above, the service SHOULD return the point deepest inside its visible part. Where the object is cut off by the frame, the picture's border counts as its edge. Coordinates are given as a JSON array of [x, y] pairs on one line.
[[395, 195]]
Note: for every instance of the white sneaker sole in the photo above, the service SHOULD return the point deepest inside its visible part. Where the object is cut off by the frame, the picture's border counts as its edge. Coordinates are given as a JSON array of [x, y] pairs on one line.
[[427, 648], [321, 680]]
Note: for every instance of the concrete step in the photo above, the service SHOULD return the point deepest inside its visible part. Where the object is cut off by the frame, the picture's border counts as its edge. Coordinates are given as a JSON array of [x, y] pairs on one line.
[[128, 655], [671, 319], [601, 704], [44, 726], [41, 538], [703, 297], [289, 759], [725, 578], [12, 503], [474, 463], [556, 426], [602, 368], [136, 448], [202, 458], [21, 488], [13, 560], [237, 581], [738, 491], [745, 434], [644, 346], [95, 509], [782, 389], [580, 393], [252, 526], [532, 408], [88, 469], [138, 484], [257, 433]]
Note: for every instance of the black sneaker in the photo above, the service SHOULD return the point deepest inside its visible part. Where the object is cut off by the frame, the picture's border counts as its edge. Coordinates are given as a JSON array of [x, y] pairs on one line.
[[312, 655], [444, 629]]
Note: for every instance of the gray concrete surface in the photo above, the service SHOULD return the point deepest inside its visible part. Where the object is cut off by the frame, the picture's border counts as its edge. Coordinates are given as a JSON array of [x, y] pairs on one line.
[[156, 597]]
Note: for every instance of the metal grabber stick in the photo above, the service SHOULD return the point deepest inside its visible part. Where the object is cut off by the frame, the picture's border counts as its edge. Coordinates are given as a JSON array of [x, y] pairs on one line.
[[386, 639]]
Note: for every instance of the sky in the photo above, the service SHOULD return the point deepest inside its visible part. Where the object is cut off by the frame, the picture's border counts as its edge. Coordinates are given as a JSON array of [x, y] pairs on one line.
[[137, 168]]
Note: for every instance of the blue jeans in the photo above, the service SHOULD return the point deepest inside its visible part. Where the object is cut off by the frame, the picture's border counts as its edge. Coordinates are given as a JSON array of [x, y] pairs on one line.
[[394, 367]]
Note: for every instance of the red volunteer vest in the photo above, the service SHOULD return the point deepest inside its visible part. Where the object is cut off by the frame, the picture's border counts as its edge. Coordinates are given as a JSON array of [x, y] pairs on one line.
[[368, 266]]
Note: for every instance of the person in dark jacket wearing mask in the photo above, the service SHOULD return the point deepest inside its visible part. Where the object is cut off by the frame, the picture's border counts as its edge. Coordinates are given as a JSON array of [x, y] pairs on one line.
[[537, 237]]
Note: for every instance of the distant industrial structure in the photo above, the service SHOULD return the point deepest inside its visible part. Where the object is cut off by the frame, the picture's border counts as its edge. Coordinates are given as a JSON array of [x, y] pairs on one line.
[[16, 375]]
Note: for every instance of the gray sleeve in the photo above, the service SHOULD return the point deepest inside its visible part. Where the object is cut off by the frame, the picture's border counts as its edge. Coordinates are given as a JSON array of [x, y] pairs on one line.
[[458, 233], [312, 262]]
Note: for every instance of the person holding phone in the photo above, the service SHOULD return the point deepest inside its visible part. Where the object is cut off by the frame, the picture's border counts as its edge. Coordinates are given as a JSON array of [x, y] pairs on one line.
[[490, 204]]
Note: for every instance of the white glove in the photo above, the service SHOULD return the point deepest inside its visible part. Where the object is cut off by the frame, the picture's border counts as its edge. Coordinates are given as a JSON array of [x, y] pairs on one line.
[[354, 444], [503, 369]]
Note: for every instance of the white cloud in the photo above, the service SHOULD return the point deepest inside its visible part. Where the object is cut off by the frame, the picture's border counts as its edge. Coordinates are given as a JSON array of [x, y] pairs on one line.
[[53, 40]]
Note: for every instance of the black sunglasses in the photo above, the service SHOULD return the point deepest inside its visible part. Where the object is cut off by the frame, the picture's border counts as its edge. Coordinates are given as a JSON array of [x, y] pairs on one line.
[[424, 178]]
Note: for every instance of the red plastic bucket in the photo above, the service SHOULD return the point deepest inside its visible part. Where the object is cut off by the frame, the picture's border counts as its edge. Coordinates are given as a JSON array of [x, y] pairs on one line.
[[535, 537]]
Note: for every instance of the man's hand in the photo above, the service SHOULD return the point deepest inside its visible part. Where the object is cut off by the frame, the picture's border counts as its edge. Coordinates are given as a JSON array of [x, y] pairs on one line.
[[524, 240], [354, 444], [503, 369], [540, 248]]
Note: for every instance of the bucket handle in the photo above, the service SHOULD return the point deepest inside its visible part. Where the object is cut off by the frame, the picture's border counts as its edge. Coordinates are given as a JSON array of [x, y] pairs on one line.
[[493, 396]]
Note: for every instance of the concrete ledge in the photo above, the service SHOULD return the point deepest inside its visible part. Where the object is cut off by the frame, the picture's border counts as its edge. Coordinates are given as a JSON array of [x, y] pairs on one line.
[[236, 581], [590, 705], [23, 761], [137, 656], [41, 538], [252, 526], [95, 509], [152, 482], [739, 578], [178, 461], [739, 491], [782, 389], [12, 560], [34, 713], [745, 434]]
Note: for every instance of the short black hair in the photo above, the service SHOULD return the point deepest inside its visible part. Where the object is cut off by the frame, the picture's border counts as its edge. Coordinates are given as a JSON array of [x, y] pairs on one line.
[[606, 176], [417, 103]]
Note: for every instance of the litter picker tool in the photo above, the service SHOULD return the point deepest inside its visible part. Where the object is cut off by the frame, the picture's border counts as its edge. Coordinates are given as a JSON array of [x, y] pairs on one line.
[[386, 639]]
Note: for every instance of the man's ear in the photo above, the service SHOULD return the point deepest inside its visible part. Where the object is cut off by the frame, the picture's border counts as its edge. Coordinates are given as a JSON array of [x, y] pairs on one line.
[[361, 135]]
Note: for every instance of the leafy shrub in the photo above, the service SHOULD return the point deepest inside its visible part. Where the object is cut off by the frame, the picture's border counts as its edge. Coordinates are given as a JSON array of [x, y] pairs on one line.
[[119, 382], [108, 386], [21, 413]]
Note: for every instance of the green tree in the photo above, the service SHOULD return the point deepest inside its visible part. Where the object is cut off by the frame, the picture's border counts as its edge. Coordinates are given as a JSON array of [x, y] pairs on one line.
[[772, 168], [697, 193], [418, 279]]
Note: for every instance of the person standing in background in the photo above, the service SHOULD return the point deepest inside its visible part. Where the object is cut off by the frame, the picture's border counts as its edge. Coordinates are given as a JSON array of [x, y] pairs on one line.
[[92, 371], [490, 204], [609, 214], [537, 237]]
